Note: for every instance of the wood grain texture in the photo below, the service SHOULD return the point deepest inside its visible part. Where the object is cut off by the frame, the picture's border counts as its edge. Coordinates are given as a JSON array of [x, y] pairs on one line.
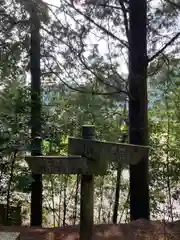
[[63, 165], [106, 152]]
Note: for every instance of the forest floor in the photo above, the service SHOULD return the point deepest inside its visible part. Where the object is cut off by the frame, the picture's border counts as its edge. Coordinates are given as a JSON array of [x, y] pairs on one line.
[[140, 230]]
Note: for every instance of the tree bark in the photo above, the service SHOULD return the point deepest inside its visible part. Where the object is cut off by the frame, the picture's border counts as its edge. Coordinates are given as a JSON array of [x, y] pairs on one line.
[[60, 201], [36, 196], [76, 199], [118, 186], [87, 195], [101, 198], [117, 194], [138, 121], [65, 200]]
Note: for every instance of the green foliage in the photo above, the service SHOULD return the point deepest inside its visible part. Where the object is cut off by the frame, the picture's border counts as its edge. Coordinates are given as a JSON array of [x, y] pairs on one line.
[[23, 182], [92, 90], [164, 129]]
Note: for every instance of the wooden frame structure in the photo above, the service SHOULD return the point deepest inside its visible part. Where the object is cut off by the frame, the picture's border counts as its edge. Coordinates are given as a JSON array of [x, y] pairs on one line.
[[89, 157]]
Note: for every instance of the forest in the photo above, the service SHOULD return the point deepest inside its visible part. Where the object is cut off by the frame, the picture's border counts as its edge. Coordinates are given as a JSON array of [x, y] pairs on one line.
[[114, 64]]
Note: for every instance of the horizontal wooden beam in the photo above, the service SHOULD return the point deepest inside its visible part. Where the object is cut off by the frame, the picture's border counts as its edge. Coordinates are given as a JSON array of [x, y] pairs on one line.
[[107, 151], [63, 165]]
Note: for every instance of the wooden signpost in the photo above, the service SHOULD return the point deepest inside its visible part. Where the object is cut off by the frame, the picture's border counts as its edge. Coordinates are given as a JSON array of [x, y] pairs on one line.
[[106, 152], [58, 164], [89, 157]]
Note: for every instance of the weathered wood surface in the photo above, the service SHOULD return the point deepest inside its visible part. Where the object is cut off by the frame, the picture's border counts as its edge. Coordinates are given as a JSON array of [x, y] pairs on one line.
[[9, 236], [87, 195], [63, 165], [107, 151]]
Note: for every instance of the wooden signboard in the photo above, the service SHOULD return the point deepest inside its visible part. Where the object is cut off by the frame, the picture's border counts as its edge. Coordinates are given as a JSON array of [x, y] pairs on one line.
[[107, 151], [63, 165], [88, 157]]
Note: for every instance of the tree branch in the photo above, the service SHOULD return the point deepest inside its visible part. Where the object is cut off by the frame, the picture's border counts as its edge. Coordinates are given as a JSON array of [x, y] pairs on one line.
[[124, 43], [85, 91], [174, 4], [101, 3], [126, 24], [104, 5], [83, 62], [164, 48]]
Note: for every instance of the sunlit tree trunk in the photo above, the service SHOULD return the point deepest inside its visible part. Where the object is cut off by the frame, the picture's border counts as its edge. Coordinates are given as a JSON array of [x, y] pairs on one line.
[[101, 199], [76, 199], [60, 201], [65, 200], [117, 194]]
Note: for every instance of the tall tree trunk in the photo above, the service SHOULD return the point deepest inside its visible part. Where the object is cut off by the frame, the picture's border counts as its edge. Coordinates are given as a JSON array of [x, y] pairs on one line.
[[138, 121], [36, 196], [101, 199], [60, 200], [53, 200], [110, 207], [118, 186], [125, 209], [65, 200], [168, 164], [76, 199], [117, 194], [52, 189]]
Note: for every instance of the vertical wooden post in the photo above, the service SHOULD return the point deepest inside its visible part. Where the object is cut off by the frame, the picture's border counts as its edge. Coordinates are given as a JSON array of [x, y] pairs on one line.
[[87, 195]]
